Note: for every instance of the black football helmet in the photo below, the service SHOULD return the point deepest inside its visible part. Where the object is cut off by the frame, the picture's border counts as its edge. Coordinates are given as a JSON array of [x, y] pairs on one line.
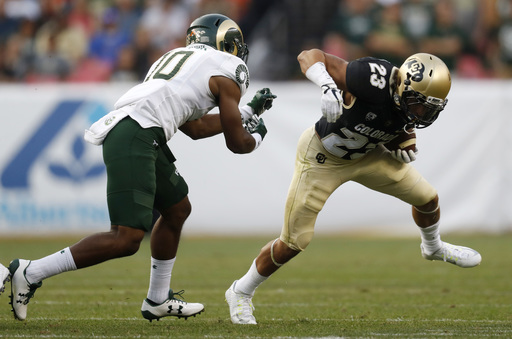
[[219, 32], [422, 87]]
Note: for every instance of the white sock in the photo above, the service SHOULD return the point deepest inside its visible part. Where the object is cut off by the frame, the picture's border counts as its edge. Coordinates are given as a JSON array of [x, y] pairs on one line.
[[160, 279], [430, 238], [250, 281], [50, 265]]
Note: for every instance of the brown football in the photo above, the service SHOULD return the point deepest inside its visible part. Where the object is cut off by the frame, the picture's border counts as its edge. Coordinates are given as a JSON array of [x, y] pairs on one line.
[[404, 141]]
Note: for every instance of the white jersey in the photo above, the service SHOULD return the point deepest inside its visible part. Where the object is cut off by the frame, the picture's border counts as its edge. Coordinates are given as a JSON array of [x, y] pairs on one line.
[[175, 90]]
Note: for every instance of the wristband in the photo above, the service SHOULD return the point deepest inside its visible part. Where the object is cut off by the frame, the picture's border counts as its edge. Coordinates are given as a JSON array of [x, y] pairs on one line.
[[258, 138], [318, 74], [246, 112]]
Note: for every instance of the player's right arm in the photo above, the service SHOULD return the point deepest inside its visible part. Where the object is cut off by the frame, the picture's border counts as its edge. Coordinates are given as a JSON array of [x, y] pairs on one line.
[[329, 73], [336, 67]]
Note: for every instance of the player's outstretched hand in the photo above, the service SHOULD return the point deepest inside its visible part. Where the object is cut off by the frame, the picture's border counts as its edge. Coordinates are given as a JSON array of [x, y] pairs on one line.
[[331, 102], [262, 101]]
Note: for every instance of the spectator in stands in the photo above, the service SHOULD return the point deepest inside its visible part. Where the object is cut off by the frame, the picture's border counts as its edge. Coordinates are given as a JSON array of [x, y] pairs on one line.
[[25, 36], [50, 65], [8, 25], [124, 68], [13, 65], [165, 20], [498, 48], [59, 47], [348, 29], [446, 39], [80, 16], [18, 52], [129, 15], [107, 42], [145, 53], [417, 18], [388, 39]]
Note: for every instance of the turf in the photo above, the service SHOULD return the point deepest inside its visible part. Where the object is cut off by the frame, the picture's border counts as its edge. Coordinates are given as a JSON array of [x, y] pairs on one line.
[[342, 286]]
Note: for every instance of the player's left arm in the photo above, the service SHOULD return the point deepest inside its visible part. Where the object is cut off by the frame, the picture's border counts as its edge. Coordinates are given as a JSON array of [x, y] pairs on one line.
[[403, 147], [238, 139]]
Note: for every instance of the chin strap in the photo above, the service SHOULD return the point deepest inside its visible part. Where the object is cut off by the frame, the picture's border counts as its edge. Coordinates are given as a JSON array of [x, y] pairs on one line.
[[272, 254], [409, 128]]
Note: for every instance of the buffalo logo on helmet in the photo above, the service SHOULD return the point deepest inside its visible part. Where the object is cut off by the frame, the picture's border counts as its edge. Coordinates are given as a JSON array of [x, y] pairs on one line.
[[416, 69]]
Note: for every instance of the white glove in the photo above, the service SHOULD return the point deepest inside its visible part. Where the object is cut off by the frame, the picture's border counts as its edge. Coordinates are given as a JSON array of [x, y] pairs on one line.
[[331, 102], [403, 156]]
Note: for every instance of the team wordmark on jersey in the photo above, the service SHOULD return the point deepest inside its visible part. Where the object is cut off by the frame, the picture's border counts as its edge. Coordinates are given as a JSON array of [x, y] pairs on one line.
[[373, 132]]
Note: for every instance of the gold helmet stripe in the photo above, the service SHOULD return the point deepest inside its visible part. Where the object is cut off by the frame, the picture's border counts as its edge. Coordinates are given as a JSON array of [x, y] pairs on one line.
[[221, 33]]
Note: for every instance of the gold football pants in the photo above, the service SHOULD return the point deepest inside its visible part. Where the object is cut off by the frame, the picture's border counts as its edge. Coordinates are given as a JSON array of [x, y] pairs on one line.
[[318, 174]]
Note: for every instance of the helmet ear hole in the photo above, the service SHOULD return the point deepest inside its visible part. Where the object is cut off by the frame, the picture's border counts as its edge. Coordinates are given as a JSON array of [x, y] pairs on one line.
[[227, 47]]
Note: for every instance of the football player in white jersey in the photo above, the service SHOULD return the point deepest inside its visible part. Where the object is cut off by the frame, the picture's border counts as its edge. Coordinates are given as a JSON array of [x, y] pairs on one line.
[[366, 104], [177, 93]]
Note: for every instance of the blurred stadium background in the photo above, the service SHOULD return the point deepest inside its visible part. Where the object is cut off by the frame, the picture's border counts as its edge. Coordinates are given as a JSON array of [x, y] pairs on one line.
[[64, 63]]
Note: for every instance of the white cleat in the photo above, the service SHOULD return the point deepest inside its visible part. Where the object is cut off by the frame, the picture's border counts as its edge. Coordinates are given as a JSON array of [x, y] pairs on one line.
[[21, 290], [240, 307], [171, 307], [457, 255], [5, 276]]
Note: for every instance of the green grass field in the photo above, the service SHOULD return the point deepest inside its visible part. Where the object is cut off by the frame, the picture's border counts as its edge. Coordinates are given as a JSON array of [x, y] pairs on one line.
[[342, 286]]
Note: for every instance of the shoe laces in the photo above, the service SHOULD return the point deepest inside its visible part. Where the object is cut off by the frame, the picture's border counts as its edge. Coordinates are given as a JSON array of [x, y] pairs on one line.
[[30, 294], [174, 296], [244, 303], [453, 252]]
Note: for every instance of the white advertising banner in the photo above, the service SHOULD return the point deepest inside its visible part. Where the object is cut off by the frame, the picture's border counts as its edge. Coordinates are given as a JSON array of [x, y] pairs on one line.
[[52, 181]]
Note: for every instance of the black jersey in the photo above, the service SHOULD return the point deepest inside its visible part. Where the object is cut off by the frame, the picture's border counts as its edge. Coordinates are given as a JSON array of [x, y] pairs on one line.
[[372, 117]]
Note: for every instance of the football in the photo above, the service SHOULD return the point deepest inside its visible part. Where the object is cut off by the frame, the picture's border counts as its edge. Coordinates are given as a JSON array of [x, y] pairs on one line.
[[404, 141]]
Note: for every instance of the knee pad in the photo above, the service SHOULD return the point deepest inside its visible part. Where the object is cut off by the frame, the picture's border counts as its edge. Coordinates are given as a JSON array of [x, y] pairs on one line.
[[300, 242]]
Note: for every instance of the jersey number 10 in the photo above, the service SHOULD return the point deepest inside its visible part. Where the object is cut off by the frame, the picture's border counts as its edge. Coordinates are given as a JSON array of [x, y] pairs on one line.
[[169, 65]]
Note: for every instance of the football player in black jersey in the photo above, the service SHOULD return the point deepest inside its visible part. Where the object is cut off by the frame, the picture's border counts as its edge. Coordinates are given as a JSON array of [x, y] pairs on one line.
[[366, 104]]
